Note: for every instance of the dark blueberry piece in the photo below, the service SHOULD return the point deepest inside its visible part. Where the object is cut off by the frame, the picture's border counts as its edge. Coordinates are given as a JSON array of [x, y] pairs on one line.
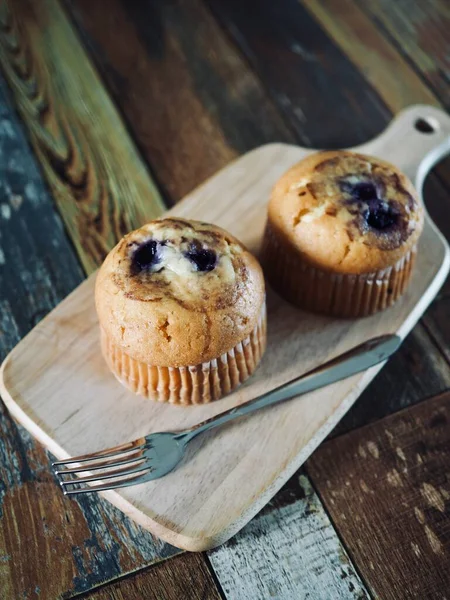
[[364, 191], [145, 256], [380, 215], [204, 259]]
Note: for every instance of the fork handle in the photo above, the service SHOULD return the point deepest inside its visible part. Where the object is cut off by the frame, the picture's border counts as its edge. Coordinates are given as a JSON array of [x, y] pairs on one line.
[[359, 358]]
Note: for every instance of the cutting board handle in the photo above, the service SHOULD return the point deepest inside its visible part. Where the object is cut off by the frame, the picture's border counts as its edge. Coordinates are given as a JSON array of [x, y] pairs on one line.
[[423, 134]]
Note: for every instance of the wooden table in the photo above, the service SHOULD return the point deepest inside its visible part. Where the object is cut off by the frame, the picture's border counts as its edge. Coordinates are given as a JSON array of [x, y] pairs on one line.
[[109, 112]]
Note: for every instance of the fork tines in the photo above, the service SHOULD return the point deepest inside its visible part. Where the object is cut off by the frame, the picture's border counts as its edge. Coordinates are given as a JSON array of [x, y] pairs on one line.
[[116, 467]]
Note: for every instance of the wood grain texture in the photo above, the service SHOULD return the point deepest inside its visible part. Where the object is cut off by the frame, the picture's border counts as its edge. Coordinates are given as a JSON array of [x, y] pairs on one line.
[[191, 101], [211, 496], [185, 577], [289, 551], [48, 546], [420, 32], [325, 100], [387, 489], [437, 318], [97, 178], [439, 323], [383, 66]]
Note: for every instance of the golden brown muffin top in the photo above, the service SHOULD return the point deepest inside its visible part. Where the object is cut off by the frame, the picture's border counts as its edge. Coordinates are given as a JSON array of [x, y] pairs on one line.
[[347, 212], [178, 292]]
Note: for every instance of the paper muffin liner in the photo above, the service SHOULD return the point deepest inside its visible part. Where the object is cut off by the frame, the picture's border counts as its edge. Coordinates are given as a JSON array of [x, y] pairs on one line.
[[190, 384], [335, 294]]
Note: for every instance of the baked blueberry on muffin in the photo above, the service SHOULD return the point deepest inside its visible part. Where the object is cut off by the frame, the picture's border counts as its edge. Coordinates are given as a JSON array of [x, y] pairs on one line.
[[341, 234], [181, 306]]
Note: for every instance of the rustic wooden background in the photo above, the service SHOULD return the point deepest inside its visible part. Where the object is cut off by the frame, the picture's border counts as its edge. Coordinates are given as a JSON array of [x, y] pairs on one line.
[[112, 110]]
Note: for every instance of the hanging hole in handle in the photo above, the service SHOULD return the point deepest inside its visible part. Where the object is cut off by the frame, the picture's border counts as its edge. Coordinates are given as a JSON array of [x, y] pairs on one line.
[[427, 125]]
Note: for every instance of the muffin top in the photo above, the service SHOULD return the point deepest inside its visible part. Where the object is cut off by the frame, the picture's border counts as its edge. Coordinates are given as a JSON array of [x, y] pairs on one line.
[[178, 292], [347, 212]]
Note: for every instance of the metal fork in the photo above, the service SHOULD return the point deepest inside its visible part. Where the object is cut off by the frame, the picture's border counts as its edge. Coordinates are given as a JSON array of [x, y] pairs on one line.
[[157, 454]]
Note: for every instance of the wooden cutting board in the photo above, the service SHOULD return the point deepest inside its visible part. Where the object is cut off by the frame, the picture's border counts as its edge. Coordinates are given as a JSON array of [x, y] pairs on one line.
[[56, 384]]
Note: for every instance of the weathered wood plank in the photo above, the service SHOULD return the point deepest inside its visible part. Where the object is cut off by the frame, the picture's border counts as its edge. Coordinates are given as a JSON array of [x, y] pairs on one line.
[[408, 45], [387, 488], [387, 71], [49, 545], [188, 96], [420, 32], [97, 178], [419, 36], [185, 577], [324, 98], [290, 550], [437, 321], [437, 317]]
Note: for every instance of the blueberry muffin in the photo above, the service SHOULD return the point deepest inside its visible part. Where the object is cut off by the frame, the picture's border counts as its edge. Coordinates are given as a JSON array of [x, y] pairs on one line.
[[181, 306], [341, 234]]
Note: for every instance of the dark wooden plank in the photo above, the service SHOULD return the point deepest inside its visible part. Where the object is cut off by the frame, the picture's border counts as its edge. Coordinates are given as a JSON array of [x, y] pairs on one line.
[[408, 378], [49, 545], [325, 99], [290, 550], [437, 321], [188, 97], [96, 175], [185, 577], [437, 317], [387, 489], [383, 66], [420, 32]]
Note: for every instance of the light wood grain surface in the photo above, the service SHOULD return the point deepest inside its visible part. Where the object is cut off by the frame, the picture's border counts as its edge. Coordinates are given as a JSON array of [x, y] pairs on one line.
[[211, 496]]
